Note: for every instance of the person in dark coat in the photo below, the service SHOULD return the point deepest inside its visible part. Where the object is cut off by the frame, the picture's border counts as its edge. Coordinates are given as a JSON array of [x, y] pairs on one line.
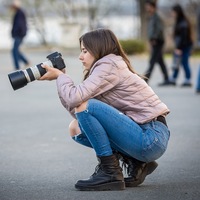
[[18, 32], [156, 41]]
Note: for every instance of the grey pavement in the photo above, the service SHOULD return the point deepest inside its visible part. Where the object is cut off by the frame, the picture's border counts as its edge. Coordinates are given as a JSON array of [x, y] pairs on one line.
[[39, 161]]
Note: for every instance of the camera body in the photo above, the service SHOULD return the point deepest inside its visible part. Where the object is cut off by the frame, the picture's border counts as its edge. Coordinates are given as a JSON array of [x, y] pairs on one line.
[[20, 78]]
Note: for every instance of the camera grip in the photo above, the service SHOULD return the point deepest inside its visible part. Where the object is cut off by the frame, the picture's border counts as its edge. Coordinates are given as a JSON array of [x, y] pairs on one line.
[[41, 69]]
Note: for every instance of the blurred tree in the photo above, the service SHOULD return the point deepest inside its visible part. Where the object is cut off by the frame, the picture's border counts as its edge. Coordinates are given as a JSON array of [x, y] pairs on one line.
[[39, 10], [36, 14], [143, 21], [100, 9], [92, 12]]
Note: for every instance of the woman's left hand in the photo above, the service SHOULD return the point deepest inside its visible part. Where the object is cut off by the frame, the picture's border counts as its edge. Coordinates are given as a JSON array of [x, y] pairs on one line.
[[178, 52], [51, 74]]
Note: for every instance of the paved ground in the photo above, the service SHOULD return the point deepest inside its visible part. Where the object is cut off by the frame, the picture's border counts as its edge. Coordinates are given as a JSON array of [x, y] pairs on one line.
[[38, 160]]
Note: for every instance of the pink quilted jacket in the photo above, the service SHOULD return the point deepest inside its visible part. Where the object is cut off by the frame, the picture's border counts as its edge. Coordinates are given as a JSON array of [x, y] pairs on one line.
[[111, 81]]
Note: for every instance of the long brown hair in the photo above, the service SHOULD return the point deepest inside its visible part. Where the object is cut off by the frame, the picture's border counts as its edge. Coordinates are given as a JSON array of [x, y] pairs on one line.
[[181, 17], [102, 42]]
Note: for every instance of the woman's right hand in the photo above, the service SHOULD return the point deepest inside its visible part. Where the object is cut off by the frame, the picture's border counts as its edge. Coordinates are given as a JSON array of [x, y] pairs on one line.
[[51, 74]]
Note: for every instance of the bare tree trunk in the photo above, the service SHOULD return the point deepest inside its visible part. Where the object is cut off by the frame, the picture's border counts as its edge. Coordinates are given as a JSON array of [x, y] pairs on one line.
[[92, 11], [37, 17], [143, 19]]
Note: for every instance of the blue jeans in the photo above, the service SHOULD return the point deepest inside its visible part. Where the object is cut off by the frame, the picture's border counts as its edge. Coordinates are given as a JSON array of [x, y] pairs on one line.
[[186, 52], [198, 80], [17, 55], [105, 129]]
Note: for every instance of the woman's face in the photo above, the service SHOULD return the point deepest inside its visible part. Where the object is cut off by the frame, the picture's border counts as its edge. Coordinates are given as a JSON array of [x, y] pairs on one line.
[[86, 58], [149, 9], [173, 13]]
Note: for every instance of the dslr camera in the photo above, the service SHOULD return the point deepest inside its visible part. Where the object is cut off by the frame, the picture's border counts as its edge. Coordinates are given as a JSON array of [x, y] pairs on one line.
[[20, 78]]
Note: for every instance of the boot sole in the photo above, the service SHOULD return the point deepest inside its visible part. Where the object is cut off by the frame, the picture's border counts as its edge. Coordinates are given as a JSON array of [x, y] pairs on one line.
[[150, 167], [117, 185]]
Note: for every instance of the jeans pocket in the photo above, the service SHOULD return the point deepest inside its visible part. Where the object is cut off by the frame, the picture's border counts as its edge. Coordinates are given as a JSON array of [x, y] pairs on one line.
[[154, 144], [155, 151]]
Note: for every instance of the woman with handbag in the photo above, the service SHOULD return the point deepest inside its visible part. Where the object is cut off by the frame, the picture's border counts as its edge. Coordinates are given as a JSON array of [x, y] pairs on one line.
[[183, 45]]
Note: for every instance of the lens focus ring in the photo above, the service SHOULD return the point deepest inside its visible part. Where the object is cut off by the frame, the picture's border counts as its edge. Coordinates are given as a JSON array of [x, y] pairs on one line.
[[27, 76], [36, 72]]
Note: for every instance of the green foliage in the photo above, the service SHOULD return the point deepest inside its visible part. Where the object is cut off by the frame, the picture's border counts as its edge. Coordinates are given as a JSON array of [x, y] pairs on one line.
[[133, 46]]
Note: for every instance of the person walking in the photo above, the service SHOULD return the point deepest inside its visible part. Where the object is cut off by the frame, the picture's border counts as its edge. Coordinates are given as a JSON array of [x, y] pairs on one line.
[[183, 45], [18, 32], [115, 112], [156, 40]]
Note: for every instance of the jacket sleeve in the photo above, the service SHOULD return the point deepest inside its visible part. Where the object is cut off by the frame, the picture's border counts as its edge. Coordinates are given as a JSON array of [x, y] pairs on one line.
[[103, 78], [158, 29]]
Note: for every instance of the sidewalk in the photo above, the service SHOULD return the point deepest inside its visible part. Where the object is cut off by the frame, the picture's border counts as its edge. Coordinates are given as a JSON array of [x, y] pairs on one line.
[[39, 161]]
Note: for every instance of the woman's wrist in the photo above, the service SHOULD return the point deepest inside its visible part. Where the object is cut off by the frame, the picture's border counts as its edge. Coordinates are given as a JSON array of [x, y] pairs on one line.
[[59, 73]]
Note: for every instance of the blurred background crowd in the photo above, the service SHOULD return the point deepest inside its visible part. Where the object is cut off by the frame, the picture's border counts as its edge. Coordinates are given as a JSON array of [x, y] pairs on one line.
[[61, 22], [151, 26]]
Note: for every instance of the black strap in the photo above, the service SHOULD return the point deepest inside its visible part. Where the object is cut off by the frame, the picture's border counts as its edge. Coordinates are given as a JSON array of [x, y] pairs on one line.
[[162, 119]]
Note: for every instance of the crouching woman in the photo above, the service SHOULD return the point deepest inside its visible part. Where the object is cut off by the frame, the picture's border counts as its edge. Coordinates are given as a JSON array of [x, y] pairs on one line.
[[116, 113]]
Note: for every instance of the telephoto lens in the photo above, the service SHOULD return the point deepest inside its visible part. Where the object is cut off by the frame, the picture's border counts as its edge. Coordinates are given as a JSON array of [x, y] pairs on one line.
[[20, 78]]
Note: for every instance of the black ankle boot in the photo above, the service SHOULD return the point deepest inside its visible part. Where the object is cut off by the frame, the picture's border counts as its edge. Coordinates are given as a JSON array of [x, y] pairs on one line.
[[107, 176], [137, 170]]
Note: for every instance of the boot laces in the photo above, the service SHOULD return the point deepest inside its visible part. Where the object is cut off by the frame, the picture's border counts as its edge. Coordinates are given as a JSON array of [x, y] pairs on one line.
[[132, 167], [97, 168], [128, 166]]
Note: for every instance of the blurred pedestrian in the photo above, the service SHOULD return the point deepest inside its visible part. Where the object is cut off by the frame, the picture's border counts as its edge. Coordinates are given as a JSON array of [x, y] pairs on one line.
[[198, 40], [183, 44], [156, 40], [198, 27], [115, 112], [18, 32]]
